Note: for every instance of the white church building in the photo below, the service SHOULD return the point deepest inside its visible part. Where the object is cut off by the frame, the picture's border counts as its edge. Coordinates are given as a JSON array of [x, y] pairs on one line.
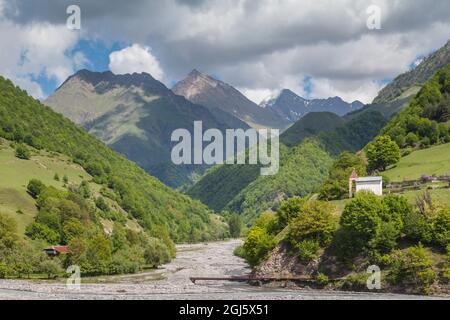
[[371, 184]]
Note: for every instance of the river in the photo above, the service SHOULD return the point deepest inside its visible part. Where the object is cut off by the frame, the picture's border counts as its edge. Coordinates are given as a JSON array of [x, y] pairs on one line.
[[172, 281]]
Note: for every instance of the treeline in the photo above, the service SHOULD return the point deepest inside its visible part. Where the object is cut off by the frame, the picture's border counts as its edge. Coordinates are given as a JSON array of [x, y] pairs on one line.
[[407, 242], [27, 122]]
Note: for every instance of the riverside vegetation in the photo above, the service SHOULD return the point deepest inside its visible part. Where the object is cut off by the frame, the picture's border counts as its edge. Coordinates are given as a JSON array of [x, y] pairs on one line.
[[143, 216]]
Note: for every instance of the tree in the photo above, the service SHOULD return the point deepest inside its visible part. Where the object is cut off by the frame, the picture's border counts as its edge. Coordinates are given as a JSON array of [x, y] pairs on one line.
[[8, 232], [413, 267], [441, 227], [315, 221], [288, 210], [35, 187], [412, 139], [382, 152], [50, 267], [66, 179], [257, 245], [41, 231], [336, 185], [235, 225], [22, 152]]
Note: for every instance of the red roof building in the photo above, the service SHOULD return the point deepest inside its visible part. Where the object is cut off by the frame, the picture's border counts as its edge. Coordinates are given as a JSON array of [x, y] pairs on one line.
[[56, 250]]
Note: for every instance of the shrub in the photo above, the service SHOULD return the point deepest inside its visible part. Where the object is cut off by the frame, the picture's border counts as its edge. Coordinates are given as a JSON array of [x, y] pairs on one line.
[[417, 227], [361, 219], [8, 232], [235, 225], [371, 223], [156, 252], [412, 268], [50, 267], [22, 152], [314, 222], [257, 245], [35, 187], [385, 239], [322, 279], [307, 250], [239, 252], [441, 228], [127, 260], [288, 210]]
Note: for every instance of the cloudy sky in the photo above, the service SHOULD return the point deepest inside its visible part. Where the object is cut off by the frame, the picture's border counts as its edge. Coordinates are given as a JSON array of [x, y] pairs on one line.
[[317, 48]]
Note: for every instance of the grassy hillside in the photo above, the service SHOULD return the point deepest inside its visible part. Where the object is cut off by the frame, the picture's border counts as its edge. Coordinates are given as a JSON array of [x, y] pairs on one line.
[[16, 173], [434, 160], [154, 205]]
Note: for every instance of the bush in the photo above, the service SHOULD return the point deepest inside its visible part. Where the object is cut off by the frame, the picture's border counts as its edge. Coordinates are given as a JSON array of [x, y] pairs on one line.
[[288, 210], [257, 245], [417, 227], [156, 253], [322, 279], [239, 252], [372, 223], [127, 260], [235, 225], [35, 187], [307, 250], [22, 152], [441, 228], [51, 267], [314, 222], [412, 268], [361, 219]]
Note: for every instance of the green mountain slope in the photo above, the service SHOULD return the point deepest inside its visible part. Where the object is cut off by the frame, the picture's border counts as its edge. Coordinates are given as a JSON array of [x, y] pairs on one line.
[[397, 94], [310, 125], [239, 188], [303, 168], [425, 121], [147, 200]]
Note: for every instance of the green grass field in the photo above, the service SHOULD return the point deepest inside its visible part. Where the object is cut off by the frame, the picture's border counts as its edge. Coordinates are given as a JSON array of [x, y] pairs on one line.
[[16, 173], [434, 160]]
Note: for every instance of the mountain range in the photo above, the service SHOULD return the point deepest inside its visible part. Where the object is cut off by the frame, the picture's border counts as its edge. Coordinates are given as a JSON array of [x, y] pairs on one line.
[[136, 115], [292, 107], [216, 95], [240, 189]]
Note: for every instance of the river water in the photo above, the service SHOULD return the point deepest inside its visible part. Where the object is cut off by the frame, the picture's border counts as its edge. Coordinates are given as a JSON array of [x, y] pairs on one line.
[[172, 281]]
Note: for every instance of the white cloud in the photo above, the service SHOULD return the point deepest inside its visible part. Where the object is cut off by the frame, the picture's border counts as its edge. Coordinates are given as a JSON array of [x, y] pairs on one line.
[[257, 95], [37, 50], [135, 58]]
